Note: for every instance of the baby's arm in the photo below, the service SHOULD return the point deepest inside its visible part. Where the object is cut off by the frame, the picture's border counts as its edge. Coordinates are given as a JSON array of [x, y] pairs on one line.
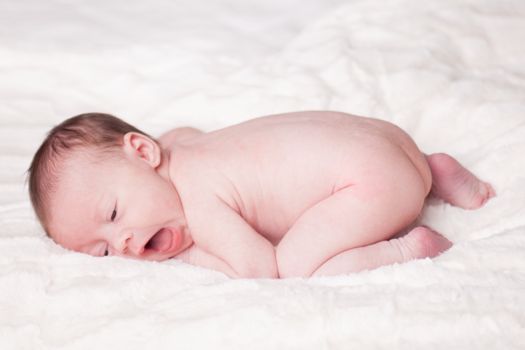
[[198, 257], [220, 231]]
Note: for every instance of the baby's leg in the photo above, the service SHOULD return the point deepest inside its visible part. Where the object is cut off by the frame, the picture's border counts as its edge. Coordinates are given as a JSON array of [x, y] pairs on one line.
[[455, 184], [419, 243], [372, 209]]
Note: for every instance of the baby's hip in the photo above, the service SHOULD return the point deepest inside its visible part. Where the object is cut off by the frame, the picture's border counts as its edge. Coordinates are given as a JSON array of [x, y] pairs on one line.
[[399, 151], [388, 164], [414, 155]]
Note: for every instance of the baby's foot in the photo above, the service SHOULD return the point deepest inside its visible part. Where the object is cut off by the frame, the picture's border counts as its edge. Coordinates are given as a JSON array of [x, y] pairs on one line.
[[455, 184], [422, 242]]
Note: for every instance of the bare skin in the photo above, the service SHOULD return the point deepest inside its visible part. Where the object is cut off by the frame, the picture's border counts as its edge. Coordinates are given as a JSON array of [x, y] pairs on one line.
[[455, 184], [450, 182], [292, 195]]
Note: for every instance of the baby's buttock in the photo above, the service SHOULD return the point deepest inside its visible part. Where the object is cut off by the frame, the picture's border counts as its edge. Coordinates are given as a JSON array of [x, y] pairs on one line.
[[409, 149], [385, 155]]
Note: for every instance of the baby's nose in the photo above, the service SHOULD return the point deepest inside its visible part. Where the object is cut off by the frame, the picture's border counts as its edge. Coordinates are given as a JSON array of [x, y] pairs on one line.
[[135, 248], [129, 245]]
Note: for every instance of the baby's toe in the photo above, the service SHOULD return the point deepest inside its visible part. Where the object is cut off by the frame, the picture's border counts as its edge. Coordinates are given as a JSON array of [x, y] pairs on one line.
[[486, 191]]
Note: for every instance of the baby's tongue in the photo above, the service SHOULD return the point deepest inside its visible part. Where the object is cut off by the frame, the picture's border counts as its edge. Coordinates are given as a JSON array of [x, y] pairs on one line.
[[160, 241]]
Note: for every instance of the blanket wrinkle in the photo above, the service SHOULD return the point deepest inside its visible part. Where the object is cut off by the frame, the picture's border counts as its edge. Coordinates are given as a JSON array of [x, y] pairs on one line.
[[451, 73]]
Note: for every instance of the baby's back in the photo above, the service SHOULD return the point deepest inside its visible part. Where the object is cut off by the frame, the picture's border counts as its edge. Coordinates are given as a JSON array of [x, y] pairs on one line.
[[272, 169]]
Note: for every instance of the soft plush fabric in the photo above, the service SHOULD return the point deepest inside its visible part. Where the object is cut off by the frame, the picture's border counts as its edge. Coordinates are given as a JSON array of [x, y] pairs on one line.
[[451, 73]]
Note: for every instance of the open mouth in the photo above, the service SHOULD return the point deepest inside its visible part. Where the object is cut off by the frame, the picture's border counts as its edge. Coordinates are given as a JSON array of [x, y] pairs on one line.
[[161, 241]]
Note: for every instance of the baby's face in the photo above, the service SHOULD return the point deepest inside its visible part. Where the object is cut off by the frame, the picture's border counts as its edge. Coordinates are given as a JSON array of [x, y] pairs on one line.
[[125, 207]]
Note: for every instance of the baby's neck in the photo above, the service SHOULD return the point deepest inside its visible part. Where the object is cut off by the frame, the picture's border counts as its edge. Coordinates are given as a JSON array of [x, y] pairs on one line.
[[163, 168]]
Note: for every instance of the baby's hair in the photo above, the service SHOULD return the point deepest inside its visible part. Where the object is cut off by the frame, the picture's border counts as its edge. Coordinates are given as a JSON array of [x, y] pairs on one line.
[[96, 131]]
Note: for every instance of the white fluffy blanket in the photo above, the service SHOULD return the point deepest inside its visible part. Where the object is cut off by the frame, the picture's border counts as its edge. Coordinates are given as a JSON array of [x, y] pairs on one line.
[[451, 73]]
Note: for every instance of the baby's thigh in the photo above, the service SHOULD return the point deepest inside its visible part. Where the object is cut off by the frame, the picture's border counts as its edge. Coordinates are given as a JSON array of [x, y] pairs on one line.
[[368, 210]]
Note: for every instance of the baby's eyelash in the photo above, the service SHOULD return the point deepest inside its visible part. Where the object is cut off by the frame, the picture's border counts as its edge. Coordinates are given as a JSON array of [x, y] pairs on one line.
[[114, 214]]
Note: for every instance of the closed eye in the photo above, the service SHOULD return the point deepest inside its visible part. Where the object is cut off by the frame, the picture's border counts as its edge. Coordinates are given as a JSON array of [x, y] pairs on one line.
[[114, 214]]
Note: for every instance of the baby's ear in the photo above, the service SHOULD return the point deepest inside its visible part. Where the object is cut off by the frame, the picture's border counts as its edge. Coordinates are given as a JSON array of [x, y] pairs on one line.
[[140, 146]]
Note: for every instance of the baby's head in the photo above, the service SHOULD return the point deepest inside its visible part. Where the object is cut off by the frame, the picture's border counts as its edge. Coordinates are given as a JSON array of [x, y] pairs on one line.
[[101, 186]]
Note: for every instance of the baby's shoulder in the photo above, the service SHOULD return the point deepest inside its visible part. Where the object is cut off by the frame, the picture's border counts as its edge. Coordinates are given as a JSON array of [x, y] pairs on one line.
[[178, 135]]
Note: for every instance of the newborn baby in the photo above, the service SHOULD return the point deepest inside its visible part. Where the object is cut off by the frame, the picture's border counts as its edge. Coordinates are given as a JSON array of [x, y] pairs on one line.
[[292, 195]]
